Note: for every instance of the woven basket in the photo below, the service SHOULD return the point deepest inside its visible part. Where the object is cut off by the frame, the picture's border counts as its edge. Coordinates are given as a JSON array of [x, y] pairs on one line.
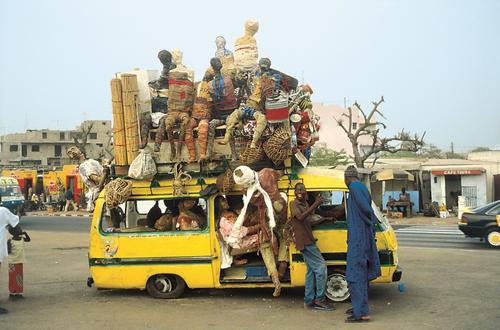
[[252, 155], [74, 153], [117, 192], [278, 147], [225, 181]]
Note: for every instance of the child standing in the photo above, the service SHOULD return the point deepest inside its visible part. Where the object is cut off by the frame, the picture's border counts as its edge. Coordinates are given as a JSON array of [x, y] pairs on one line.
[[16, 259]]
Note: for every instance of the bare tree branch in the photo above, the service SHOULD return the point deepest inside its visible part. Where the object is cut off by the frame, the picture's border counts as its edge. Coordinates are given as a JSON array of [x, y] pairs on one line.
[[80, 137], [402, 141]]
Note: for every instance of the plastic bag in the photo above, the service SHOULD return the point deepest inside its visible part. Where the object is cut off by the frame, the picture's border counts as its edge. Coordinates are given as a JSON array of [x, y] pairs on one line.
[[143, 166]]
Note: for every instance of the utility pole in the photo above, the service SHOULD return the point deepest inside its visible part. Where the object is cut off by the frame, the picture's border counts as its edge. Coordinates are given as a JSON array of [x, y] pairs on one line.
[[452, 148]]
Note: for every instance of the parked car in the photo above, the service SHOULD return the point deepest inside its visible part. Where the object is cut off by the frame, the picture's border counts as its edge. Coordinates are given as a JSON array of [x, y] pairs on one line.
[[483, 222]]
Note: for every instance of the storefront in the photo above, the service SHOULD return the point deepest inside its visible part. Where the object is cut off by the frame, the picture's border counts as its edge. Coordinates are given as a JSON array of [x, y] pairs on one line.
[[448, 183]]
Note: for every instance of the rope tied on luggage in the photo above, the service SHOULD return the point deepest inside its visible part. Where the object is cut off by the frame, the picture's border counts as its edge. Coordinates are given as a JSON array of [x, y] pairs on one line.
[[181, 178]]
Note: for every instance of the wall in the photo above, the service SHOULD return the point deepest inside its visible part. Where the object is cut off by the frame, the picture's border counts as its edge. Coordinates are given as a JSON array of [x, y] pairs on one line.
[[489, 156], [438, 191], [480, 182]]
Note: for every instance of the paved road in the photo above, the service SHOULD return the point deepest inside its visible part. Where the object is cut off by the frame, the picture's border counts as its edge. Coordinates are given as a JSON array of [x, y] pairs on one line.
[[437, 237], [56, 224]]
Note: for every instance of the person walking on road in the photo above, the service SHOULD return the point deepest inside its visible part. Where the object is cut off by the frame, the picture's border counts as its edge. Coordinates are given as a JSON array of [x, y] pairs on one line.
[[302, 220], [69, 200], [6, 218], [363, 264]]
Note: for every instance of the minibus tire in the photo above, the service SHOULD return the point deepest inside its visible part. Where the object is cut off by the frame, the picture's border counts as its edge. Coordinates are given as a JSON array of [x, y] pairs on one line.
[[165, 286], [334, 282]]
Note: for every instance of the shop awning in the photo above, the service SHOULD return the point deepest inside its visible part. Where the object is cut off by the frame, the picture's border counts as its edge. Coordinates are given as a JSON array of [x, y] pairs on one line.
[[393, 174]]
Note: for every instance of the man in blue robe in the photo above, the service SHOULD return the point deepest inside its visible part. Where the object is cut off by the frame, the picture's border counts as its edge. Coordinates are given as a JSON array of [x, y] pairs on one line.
[[363, 264]]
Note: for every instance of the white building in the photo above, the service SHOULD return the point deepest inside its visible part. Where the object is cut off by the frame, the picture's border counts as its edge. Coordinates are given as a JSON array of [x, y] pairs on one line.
[[331, 133], [443, 180]]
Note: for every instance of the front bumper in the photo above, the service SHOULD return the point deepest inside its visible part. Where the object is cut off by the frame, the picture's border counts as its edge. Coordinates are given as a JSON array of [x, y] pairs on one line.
[[471, 231]]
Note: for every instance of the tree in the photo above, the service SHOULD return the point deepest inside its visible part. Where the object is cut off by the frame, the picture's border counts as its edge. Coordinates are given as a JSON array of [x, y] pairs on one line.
[[107, 149], [323, 156], [479, 149], [80, 137], [402, 141], [431, 151]]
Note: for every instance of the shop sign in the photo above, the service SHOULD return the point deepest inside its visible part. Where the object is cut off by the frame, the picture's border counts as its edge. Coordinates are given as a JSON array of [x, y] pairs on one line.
[[457, 172]]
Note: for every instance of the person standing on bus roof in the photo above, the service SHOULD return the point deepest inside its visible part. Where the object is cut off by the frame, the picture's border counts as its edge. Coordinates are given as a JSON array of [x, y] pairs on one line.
[[363, 264], [6, 218]]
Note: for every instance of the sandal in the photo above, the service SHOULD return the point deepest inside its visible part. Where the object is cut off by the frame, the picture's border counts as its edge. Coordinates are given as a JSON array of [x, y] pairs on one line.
[[349, 311], [352, 319]]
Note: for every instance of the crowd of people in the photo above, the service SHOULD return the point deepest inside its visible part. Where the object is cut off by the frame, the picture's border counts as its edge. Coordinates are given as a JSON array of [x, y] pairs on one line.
[[63, 201]]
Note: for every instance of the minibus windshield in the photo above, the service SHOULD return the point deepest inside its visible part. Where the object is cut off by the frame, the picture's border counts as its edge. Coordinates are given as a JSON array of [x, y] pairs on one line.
[[10, 190]]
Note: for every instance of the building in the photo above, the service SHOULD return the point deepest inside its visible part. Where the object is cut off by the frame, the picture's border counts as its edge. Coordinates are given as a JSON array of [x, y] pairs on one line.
[[332, 134], [48, 147], [441, 180]]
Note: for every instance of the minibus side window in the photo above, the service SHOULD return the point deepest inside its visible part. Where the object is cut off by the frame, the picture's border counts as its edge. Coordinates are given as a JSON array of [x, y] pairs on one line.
[[112, 220], [160, 215], [333, 203]]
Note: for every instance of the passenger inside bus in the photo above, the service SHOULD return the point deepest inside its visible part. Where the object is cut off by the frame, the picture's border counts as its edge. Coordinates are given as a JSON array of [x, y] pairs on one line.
[[191, 215], [245, 262], [153, 215], [226, 219]]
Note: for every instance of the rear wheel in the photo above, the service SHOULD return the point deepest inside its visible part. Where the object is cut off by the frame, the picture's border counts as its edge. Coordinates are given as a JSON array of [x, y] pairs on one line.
[[165, 286], [336, 287], [492, 237]]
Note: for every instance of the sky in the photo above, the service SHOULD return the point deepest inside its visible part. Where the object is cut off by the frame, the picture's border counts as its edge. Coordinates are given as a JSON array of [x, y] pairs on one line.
[[436, 62]]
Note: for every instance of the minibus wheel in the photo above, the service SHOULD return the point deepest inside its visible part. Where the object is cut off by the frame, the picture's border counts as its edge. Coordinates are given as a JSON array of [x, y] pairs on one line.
[[336, 287], [165, 286]]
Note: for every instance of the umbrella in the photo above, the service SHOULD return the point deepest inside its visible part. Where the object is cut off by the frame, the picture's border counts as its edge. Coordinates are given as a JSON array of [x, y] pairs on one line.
[[392, 174]]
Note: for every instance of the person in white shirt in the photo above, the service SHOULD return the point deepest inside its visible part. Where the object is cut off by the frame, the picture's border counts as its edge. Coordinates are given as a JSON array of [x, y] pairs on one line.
[[6, 218]]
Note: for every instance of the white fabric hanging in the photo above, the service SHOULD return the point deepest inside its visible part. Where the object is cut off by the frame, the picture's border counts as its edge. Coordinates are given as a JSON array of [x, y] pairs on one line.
[[248, 178]]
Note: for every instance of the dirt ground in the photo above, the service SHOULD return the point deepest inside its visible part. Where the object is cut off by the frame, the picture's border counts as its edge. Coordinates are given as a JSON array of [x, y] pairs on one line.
[[420, 220], [445, 289]]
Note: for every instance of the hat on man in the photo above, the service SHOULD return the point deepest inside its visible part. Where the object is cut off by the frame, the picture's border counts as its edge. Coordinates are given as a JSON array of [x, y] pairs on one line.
[[351, 172]]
